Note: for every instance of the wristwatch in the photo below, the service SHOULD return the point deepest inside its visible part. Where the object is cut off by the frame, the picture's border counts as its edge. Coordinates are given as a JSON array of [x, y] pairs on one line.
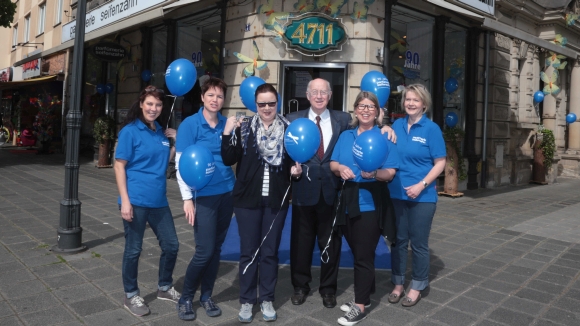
[[424, 183]]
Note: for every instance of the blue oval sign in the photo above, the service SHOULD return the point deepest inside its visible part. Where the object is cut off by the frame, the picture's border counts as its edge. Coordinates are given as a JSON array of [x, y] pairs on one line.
[[315, 34]]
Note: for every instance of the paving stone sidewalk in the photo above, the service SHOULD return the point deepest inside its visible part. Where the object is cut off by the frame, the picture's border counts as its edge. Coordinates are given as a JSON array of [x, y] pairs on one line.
[[498, 257]]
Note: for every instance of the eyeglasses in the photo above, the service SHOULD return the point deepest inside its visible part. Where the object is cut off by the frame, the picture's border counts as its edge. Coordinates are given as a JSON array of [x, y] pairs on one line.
[[263, 104], [362, 107], [315, 92]]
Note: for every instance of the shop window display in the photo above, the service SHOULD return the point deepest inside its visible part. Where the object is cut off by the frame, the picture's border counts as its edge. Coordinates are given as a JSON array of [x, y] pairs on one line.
[[454, 63], [410, 54], [198, 40]]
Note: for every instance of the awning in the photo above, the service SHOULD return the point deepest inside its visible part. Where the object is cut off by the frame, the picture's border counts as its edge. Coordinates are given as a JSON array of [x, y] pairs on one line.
[[507, 30], [39, 80], [179, 4], [457, 9]]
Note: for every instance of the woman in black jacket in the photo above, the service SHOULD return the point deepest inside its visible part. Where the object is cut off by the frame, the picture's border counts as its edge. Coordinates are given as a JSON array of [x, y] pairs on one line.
[[260, 198]]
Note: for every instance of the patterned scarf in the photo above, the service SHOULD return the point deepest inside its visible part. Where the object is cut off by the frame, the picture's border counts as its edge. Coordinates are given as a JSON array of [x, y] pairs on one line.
[[269, 143]]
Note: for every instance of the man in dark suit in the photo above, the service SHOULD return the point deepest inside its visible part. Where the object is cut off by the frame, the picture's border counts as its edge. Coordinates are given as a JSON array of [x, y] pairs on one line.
[[313, 201]]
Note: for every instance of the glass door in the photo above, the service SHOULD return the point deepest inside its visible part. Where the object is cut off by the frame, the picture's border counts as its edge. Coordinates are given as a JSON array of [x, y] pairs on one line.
[[296, 76]]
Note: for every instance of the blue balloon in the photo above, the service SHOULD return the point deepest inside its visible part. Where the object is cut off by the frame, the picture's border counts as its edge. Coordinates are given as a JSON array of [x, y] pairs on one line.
[[302, 139], [451, 85], [180, 77], [571, 118], [375, 82], [100, 88], [451, 119], [109, 88], [248, 92], [146, 75], [196, 166], [538, 96], [370, 150]]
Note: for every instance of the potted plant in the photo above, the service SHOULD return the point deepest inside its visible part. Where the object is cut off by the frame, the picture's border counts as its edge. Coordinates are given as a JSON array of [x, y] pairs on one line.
[[104, 133], [455, 166]]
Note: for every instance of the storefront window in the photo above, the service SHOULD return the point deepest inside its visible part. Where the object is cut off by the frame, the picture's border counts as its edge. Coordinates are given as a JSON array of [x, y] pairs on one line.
[[410, 53], [454, 63], [92, 101], [198, 40]]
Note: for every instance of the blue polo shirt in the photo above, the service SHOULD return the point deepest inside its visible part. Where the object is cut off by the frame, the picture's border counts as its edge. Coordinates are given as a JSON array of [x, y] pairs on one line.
[[418, 148], [195, 130], [342, 154], [147, 154]]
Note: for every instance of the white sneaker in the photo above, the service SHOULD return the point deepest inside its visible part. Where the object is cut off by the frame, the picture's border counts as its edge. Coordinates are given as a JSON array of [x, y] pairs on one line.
[[245, 315], [268, 311]]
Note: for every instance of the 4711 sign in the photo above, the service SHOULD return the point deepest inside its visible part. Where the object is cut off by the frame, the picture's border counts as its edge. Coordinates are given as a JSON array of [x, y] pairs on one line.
[[314, 34]]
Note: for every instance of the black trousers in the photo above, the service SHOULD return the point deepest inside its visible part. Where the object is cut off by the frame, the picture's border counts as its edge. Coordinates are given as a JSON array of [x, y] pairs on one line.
[[258, 283], [362, 234], [308, 224]]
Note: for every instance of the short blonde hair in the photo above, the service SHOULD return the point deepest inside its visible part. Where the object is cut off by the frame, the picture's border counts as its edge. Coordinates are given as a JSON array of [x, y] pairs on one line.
[[422, 92], [369, 96]]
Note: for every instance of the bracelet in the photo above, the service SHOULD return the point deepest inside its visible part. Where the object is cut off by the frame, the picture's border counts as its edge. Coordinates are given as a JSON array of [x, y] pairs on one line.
[[424, 183]]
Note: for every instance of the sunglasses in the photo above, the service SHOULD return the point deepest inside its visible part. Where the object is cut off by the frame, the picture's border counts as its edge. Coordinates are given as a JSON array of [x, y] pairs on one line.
[[263, 104]]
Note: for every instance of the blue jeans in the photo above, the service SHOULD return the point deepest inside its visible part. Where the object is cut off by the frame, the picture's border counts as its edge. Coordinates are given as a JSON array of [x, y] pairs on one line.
[[413, 223], [213, 215], [253, 225], [161, 222]]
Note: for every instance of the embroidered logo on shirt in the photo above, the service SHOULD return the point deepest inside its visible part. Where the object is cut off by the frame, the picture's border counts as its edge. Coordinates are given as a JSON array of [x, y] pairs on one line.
[[165, 143], [419, 139]]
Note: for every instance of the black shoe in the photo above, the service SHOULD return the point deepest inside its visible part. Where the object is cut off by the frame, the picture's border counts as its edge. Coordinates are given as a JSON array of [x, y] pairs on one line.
[[329, 300], [352, 317], [299, 297]]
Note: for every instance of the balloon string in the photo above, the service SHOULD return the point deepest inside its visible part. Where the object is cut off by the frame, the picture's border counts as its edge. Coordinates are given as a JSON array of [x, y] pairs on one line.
[[270, 229], [307, 169], [332, 229], [171, 112]]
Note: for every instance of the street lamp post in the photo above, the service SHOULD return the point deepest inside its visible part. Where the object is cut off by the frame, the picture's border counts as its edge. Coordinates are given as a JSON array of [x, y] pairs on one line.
[[69, 233]]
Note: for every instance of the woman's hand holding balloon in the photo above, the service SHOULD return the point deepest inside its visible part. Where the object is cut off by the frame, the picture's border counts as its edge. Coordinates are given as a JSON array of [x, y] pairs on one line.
[[345, 172], [170, 133], [369, 175], [296, 170], [189, 209], [231, 124]]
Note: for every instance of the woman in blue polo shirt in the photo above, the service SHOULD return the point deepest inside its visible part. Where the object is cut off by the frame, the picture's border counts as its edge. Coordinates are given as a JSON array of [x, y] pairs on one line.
[[363, 213], [141, 158], [210, 209], [422, 158]]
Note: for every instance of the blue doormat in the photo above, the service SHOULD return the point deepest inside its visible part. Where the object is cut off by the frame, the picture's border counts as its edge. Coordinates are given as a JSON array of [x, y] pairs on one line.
[[231, 248]]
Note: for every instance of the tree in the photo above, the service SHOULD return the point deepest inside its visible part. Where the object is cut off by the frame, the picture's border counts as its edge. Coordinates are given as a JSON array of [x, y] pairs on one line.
[[7, 11]]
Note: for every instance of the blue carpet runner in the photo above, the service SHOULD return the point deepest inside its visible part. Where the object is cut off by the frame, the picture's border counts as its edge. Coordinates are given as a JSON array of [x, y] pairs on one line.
[[231, 248]]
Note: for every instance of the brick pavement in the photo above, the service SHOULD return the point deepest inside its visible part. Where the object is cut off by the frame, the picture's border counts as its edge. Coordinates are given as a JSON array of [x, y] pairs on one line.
[[499, 257]]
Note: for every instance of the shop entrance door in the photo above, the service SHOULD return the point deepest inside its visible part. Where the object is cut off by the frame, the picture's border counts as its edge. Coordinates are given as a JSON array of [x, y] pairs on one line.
[[295, 78]]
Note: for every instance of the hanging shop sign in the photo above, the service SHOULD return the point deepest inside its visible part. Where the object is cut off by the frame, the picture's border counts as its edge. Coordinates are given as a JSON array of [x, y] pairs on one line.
[[107, 14], [31, 69], [6, 74], [108, 51], [314, 34]]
